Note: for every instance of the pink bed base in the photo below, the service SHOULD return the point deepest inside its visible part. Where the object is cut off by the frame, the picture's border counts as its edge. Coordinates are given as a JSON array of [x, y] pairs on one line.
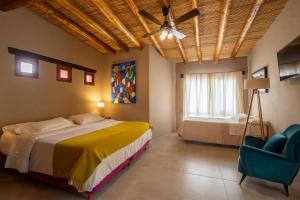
[[63, 183]]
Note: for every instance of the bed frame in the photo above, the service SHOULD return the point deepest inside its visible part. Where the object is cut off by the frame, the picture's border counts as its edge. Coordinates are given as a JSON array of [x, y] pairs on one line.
[[63, 183]]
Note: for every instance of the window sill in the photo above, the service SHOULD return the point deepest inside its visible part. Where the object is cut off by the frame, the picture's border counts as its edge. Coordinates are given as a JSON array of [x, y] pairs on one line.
[[217, 120]]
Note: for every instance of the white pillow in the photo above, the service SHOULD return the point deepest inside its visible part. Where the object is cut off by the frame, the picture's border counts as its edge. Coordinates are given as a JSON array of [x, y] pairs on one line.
[[39, 127], [52, 124], [86, 118]]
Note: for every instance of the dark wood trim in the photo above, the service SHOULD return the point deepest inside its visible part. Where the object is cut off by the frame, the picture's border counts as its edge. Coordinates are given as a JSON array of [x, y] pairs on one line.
[[86, 82], [14, 4], [61, 67], [33, 61], [48, 59]]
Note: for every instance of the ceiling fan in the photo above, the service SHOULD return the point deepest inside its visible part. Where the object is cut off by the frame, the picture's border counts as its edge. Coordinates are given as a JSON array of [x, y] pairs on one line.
[[167, 28]]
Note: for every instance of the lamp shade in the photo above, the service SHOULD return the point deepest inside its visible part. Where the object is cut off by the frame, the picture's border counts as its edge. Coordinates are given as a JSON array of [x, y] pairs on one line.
[[259, 83], [100, 104]]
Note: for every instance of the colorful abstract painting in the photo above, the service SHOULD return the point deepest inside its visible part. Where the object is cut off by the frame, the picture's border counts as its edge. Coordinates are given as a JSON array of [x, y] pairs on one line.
[[123, 82]]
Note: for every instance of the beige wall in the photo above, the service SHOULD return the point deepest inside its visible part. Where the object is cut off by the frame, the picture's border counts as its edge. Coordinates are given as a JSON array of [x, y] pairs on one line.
[[140, 110], [25, 99], [281, 106], [154, 82], [161, 93], [225, 65]]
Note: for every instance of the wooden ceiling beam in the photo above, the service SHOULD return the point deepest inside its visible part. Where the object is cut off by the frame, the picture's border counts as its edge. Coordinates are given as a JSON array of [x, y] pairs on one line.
[[197, 32], [55, 16], [178, 42], [255, 8], [112, 17], [225, 8], [14, 4], [135, 10], [92, 24]]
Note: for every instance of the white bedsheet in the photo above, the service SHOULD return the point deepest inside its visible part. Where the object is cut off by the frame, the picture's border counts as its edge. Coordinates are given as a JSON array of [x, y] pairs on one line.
[[34, 152]]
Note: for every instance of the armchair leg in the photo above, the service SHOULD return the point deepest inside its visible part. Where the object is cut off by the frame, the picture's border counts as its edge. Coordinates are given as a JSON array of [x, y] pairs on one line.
[[286, 188], [243, 178]]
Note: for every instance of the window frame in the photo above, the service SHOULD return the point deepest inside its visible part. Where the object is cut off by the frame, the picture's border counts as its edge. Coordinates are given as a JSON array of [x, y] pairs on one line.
[[66, 68], [193, 109], [35, 67], [85, 78]]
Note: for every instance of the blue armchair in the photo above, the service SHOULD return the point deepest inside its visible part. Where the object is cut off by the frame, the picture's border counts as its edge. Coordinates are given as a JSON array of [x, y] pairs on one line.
[[280, 168]]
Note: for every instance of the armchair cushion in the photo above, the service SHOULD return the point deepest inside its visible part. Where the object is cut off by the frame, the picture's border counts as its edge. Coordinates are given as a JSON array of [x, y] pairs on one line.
[[254, 141], [276, 143]]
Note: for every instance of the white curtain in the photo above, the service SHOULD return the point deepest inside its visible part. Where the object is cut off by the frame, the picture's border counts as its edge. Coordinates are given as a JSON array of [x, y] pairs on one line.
[[214, 95]]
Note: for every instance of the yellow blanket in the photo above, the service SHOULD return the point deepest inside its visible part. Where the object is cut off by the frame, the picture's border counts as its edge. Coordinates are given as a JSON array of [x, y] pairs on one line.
[[77, 158]]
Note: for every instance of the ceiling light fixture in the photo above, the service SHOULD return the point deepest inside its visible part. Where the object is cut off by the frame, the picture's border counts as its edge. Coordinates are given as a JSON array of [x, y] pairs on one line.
[[166, 26], [163, 34]]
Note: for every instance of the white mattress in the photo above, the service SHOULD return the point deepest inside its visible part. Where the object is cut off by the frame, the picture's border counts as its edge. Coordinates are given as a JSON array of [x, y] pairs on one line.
[[42, 150]]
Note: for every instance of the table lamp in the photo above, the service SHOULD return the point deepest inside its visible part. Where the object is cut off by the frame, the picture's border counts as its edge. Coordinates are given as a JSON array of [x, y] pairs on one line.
[[100, 104]]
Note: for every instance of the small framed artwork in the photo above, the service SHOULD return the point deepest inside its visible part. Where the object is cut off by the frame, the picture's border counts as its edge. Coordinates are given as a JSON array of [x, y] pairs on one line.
[[64, 73], [123, 82], [261, 73], [89, 78]]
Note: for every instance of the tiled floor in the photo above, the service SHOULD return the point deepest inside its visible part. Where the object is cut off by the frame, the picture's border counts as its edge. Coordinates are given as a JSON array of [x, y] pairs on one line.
[[170, 169]]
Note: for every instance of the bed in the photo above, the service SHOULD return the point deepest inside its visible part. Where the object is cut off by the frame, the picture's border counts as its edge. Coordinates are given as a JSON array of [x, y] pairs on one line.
[[223, 132], [80, 158]]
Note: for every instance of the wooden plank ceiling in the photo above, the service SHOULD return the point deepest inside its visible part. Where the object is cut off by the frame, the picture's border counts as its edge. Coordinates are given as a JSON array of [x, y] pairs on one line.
[[224, 28]]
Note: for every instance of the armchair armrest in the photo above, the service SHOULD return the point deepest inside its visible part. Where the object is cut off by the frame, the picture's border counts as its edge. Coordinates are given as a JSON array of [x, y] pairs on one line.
[[250, 150], [254, 141], [267, 165]]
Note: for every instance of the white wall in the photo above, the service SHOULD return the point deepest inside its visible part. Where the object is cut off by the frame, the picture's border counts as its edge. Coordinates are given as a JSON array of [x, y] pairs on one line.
[[25, 99], [281, 105], [161, 92]]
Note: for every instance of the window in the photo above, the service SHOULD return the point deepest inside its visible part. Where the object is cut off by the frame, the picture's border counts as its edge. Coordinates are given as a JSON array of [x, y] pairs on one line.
[[215, 95], [64, 73], [26, 67], [89, 78]]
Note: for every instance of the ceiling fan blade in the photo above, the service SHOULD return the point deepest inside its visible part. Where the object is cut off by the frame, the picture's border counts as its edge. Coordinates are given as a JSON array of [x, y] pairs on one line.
[[186, 16], [150, 17], [177, 34], [151, 33]]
